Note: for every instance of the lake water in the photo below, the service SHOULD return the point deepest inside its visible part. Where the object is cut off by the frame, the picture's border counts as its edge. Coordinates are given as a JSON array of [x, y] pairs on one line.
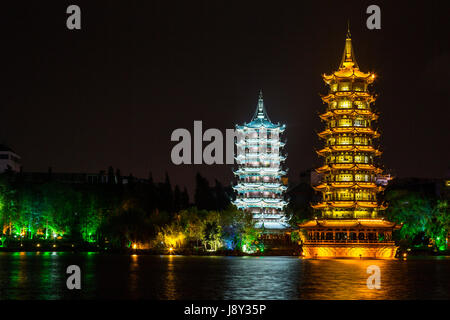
[[31, 275]]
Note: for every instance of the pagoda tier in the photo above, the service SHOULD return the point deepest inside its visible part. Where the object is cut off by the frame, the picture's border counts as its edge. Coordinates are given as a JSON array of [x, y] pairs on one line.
[[340, 151], [326, 186], [349, 238], [337, 99], [349, 207], [352, 112], [259, 188], [338, 133], [335, 167]]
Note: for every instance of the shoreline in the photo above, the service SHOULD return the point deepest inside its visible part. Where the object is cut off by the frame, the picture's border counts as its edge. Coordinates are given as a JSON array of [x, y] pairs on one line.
[[188, 252]]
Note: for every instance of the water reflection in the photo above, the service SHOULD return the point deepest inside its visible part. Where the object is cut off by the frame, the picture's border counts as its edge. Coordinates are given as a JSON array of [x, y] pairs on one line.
[[134, 276], [43, 276], [261, 278], [170, 287], [340, 279]]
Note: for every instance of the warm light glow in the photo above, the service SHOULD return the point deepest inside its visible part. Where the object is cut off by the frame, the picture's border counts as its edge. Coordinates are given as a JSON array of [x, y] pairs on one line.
[[349, 183]]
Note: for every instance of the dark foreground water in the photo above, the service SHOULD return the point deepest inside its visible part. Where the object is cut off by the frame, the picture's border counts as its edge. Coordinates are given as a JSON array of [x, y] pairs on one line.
[[26, 275]]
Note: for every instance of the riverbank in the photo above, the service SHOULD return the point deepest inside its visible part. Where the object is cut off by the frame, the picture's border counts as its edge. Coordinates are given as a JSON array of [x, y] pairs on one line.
[[184, 252], [189, 251], [270, 248], [73, 246]]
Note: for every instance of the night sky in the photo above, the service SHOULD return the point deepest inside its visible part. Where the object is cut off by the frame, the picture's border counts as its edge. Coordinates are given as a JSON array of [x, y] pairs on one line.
[[113, 92]]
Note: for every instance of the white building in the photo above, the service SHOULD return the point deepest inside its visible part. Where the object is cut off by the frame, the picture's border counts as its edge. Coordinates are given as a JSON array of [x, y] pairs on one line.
[[8, 159], [259, 188]]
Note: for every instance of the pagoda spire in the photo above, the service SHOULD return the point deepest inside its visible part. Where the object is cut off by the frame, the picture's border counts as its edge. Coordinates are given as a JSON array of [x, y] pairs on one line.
[[348, 58], [261, 112]]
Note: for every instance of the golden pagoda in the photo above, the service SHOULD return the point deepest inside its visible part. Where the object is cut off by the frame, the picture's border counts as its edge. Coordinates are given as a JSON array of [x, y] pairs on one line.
[[349, 224]]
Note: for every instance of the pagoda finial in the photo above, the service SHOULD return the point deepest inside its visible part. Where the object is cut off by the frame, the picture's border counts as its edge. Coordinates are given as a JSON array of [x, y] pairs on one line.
[[348, 58], [260, 110], [349, 35]]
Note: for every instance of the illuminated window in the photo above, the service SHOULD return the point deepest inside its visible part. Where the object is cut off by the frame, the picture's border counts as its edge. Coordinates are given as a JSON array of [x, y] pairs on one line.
[[345, 122], [344, 140], [361, 104], [361, 159], [344, 86], [358, 86], [361, 141], [345, 104], [344, 177], [345, 195], [344, 159]]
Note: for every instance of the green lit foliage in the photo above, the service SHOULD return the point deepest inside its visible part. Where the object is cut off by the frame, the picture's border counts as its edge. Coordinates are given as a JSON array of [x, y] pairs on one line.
[[296, 236], [7, 206], [408, 208], [59, 203], [213, 231], [238, 228], [193, 224], [424, 219], [438, 224]]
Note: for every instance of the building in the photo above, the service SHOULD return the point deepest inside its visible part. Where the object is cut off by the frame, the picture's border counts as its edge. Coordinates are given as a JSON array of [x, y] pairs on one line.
[[349, 224], [260, 188], [8, 159]]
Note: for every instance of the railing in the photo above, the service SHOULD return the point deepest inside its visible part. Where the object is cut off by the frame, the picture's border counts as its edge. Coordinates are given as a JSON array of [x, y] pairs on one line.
[[349, 241]]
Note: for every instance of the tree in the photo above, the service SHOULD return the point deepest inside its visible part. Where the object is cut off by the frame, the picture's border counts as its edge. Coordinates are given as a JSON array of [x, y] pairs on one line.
[[166, 195], [213, 231], [222, 200], [203, 197], [184, 199], [111, 177], [177, 199], [438, 224], [193, 225], [413, 210]]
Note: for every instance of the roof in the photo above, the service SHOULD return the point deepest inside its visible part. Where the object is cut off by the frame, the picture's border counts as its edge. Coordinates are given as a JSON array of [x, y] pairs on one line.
[[260, 118], [348, 66], [350, 223]]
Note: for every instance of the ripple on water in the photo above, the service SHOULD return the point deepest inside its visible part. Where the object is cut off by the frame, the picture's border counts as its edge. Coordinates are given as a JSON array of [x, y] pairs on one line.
[[43, 276]]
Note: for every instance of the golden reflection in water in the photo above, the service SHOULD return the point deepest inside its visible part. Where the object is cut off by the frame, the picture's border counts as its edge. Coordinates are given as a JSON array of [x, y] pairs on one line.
[[170, 288], [350, 280], [22, 273], [134, 269]]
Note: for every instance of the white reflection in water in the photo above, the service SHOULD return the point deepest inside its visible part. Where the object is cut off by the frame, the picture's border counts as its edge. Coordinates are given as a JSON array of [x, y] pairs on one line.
[[261, 278]]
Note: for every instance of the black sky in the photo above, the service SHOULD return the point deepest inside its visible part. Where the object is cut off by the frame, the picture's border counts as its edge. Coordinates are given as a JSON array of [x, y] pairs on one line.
[[112, 93]]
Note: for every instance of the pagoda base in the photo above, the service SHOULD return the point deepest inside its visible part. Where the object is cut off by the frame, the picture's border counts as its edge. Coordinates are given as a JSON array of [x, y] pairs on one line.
[[354, 250]]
